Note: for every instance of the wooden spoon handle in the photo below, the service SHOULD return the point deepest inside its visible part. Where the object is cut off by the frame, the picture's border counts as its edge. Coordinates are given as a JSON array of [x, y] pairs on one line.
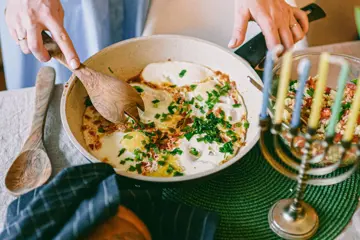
[[54, 50], [44, 86]]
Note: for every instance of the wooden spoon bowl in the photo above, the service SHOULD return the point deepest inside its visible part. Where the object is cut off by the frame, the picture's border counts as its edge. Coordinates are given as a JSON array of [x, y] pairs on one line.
[[30, 170]]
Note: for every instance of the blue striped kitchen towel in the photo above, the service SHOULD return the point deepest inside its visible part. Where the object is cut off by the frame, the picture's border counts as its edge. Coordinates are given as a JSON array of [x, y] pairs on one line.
[[80, 198]]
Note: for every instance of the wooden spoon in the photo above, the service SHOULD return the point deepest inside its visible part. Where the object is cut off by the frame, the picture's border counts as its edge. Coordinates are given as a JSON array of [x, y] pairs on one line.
[[32, 167], [110, 96]]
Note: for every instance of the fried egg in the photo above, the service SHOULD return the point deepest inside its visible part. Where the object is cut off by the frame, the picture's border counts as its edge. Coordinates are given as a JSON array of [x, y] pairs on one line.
[[194, 120]]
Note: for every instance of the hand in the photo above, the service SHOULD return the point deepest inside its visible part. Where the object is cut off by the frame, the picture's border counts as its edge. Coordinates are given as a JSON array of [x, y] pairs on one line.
[[279, 22], [26, 19]]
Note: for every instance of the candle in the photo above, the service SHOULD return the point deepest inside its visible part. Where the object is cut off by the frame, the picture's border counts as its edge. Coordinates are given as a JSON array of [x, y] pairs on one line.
[[271, 56], [283, 86], [303, 70], [336, 107], [318, 95], [353, 116]]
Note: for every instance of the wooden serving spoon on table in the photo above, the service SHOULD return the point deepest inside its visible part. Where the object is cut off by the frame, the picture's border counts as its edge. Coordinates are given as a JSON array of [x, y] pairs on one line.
[[32, 167], [273, 98], [110, 96]]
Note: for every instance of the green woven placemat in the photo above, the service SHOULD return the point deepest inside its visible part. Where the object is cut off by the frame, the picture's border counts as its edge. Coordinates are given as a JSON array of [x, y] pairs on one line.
[[244, 193]]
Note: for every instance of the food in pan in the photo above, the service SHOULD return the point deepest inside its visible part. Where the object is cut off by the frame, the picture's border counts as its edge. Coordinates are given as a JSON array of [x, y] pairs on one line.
[[194, 120]]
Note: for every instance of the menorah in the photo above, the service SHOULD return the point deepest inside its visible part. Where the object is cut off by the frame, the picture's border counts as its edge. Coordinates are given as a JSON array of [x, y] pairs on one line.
[[293, 218]]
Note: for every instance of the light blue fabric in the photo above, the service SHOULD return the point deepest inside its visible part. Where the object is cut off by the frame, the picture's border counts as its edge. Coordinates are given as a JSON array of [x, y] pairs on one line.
[[91, 24]]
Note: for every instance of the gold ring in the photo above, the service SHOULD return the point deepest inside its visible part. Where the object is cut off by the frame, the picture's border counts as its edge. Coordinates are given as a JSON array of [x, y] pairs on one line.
[[21, 39], [293, 25]]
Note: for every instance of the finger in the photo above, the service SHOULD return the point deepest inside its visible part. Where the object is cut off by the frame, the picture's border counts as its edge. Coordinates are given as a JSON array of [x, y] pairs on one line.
[[269, 29], [302, 18], [21, 37], [36, 45], [61, 37], [286, 37], [240, 26], [296, 31], [14, 35]]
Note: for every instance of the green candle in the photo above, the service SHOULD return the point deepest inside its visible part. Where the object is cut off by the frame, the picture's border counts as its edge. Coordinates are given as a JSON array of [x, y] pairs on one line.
[[336, 107]]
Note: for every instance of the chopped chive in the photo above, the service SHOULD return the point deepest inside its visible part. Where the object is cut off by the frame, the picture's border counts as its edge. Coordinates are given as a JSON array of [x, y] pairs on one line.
[[170, 169], [110, 70], [178, 174], [129, 159], [138, 168], [246, 125], [193, 87], [176, 151], [354, 81], [172, 86], [138, 89], [230, 118], [122, 162], [161, 163], [182, 73], [194, 152], [101, 130], [128, 137], [171, 109], [199, 97], [310, 92], [157, 116], [121, 152], [132, 169], [227, 148], [237, 105], [88, 102], [155, 101]]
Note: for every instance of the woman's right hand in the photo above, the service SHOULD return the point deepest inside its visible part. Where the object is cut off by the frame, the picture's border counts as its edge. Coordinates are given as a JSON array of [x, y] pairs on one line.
[[26, 19]]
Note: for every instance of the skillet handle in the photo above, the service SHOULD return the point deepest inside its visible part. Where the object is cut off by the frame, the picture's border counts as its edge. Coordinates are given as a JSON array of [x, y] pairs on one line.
[[255, 49]]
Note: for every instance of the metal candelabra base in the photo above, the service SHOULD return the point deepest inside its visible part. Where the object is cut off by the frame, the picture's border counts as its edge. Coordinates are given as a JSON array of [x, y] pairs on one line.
[[287, 225], [294, 218]]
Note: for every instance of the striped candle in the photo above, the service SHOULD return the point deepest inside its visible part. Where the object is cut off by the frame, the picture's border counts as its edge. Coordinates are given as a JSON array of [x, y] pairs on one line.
[[336, 107], [303, 70], [353, 115], [319, 91], [283, 86]]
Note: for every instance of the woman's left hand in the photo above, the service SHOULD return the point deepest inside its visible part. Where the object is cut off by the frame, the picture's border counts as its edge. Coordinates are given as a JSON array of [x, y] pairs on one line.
[[279, 22]]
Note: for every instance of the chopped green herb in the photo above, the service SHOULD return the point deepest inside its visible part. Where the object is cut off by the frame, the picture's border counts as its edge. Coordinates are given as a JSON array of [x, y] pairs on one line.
[[193, 87], [151, 125], [227, 148], [110, 70], [101, 130], [222, 113], [194, 152], [172, 86], [354, 81], [164, 157], [230, 133], [237, 105], [132, 169], [346, 106], [246, 125], [128, 137], [88, 102], [129, 159], [238, 124], [161, 163], [202, 110], [122, 162], [178, 174], [157, 116], [151, 159], [138, 168], [138, 89], [199, 97], [164, 117], [230, 118], [170, 169], [310, 92], [182, 73], [172, 130], [155, 101], [143, 142], [171, 108], [121, 152], [176, 151], [189, 135]]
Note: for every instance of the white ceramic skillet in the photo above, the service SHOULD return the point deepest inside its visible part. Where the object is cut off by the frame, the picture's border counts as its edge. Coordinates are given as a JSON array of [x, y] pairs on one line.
[[127, 58]]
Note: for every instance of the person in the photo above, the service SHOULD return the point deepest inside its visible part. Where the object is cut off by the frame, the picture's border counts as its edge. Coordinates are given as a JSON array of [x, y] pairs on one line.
[[90, 25]]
